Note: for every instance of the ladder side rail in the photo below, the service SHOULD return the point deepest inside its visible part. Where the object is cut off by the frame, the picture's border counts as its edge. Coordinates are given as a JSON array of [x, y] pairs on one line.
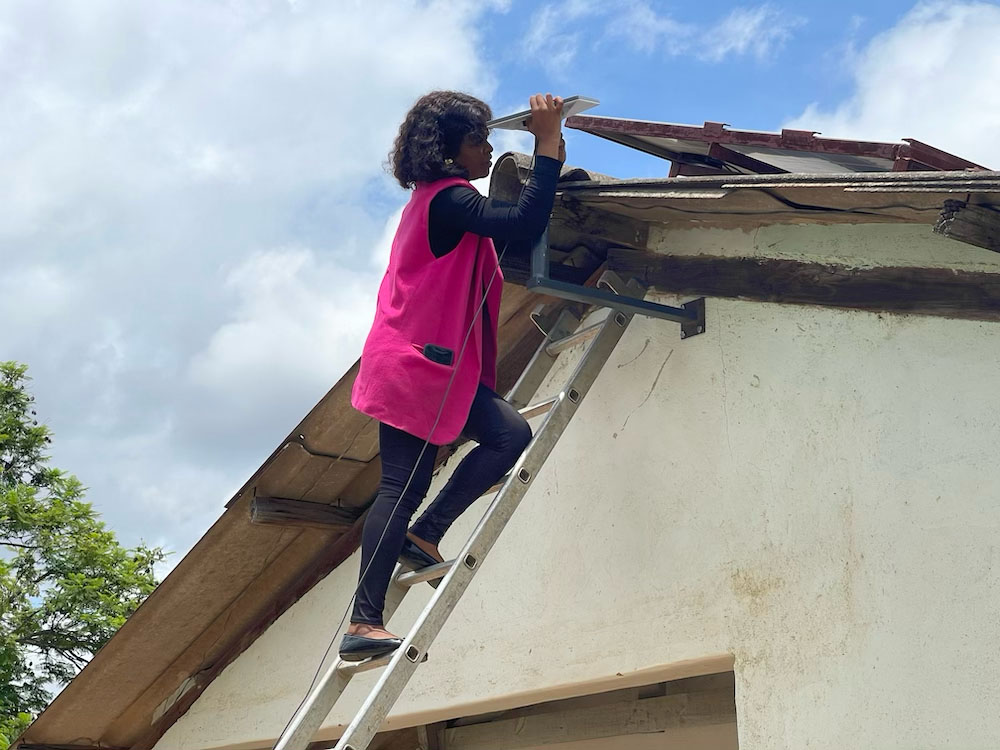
[[333, 682], [386, 692], [541, 362], [312, 712], [334, 679]]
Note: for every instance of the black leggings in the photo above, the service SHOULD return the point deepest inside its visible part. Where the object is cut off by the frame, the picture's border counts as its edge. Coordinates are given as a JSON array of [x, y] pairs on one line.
[[502, 434]]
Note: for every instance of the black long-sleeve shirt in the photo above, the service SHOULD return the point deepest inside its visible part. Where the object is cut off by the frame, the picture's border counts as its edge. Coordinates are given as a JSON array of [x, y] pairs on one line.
[[460, 209]]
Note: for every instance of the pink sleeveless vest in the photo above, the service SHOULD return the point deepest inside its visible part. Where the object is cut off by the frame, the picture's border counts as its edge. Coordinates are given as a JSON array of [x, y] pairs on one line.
[[428, 300]]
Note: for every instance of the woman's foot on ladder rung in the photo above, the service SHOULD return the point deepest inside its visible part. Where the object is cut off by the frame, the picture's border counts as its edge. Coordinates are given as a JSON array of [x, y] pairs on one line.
[[363, 641], [418, 554]]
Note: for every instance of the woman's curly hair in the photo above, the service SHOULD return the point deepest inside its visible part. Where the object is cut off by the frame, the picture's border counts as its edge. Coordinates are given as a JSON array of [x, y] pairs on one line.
[[433, 131]]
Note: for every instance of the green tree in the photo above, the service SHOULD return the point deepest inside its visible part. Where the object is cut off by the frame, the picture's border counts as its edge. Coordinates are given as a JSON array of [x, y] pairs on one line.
[[66, 584]]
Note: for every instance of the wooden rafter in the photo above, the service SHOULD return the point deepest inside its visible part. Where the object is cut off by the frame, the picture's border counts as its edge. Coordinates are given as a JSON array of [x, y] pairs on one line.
[[945, 292], [974, 225]]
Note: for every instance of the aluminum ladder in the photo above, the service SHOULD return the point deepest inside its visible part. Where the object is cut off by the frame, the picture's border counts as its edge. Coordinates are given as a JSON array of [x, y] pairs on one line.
[[458, 573]]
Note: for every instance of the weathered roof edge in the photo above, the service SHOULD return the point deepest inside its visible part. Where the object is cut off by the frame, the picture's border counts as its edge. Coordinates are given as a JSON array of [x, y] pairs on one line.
[[985, 180], [717, 142]]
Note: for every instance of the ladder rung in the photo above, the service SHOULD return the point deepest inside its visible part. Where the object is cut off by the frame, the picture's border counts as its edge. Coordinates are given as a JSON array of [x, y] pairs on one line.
[[357, 667], [540, 408], [401, 664], [430, 573], [560, 345], [496, 487]]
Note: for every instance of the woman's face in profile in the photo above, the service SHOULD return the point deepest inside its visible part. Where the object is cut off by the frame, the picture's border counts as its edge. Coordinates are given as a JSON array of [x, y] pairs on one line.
[[475, 155]]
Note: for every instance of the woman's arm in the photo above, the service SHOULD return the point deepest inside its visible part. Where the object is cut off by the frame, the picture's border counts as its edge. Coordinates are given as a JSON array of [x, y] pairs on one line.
[[457, 210]]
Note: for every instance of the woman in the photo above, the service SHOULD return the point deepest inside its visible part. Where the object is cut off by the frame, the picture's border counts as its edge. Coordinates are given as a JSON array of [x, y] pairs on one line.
[[428, 368]]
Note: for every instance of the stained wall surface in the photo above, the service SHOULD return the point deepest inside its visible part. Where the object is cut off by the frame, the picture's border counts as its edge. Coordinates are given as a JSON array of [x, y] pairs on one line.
[[811, 494]]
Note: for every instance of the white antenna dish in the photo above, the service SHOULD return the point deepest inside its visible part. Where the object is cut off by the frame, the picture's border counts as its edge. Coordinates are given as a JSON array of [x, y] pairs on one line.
[[572, 105]]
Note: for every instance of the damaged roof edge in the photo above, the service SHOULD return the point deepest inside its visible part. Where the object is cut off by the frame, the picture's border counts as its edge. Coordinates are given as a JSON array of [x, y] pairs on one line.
[[702, 149], [975, 180]]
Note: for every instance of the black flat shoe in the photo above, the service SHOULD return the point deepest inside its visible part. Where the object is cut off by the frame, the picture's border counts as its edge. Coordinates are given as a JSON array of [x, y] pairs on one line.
[[415, 558], [359, 647]]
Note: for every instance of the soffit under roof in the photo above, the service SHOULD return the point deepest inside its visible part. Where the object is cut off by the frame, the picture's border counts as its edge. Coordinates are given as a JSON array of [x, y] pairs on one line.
[[750, 200]]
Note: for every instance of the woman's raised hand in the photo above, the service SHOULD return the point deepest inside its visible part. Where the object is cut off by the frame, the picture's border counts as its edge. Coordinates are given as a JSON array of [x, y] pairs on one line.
[[546, 124]]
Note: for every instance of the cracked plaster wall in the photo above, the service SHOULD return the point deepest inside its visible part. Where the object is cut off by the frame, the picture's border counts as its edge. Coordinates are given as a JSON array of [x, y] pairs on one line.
[[812, 491]]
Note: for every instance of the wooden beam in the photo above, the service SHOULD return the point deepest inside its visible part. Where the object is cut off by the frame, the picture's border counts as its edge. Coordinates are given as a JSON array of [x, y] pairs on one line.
[[617, 719], [572, 216], [516, 267], [401, 739], [971, 295], [429, 736], [286, 512], [974, 225], [755, 166]]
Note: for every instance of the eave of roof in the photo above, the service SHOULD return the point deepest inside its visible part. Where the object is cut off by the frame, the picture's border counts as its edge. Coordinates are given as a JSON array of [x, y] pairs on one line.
[[748, 200]]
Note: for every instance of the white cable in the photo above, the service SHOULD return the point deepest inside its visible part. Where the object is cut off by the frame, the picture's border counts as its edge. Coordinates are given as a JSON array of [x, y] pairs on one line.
[[444, 400]]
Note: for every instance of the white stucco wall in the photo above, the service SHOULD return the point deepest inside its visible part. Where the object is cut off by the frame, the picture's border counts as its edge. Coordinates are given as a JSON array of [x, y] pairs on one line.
[[813, 491], [851, 245]]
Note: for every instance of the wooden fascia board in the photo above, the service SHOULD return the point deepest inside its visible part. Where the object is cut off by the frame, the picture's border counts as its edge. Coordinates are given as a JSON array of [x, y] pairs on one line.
[[945, 292], [657, 714], [973, 225]]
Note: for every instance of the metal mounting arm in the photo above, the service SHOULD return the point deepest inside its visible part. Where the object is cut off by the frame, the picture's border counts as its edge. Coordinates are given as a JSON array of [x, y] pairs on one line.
[[691, 315]]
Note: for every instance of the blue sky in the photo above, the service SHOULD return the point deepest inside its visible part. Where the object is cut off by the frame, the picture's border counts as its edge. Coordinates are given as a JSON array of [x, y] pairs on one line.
[[196, 215], [795, 54]]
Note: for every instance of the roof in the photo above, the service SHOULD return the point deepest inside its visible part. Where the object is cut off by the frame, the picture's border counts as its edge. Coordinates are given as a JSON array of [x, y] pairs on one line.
[[715, 149], [241, 576], [746, 200]]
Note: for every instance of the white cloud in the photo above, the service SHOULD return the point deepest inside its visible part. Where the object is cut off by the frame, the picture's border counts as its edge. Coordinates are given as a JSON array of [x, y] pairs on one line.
[[759, 32], [931, 77], [647, 31], [557, 31], [548, 42], [380, 257], [193, 204], [511, 140], [32, 293], [298, 323]]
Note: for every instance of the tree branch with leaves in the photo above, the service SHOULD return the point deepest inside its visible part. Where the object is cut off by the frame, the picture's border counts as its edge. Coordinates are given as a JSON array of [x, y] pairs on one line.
[[66, 584]]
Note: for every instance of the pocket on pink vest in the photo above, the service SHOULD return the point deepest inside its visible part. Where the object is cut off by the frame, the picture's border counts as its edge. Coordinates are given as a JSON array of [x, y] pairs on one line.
[[436, 354]]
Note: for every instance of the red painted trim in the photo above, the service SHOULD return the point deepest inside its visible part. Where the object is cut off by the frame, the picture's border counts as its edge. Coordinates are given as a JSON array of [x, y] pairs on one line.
[[793, 140]]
